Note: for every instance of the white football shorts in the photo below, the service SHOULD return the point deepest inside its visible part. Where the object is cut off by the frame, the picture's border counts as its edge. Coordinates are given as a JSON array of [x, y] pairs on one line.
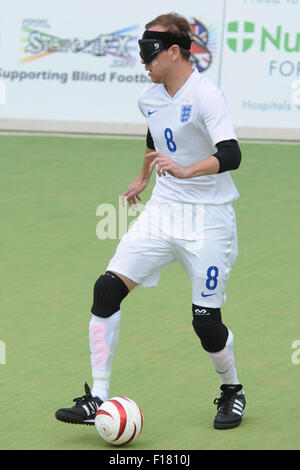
[[201, 237]]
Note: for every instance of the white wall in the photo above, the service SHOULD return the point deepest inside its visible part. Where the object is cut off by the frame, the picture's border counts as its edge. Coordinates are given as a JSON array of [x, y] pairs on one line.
[[73, 65]]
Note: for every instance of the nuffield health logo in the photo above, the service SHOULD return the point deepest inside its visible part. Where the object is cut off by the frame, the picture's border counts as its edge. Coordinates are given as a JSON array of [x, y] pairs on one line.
[[240, 35]]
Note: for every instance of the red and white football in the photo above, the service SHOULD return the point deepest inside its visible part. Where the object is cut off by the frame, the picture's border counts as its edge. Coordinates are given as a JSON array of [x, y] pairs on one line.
[[119, 421]]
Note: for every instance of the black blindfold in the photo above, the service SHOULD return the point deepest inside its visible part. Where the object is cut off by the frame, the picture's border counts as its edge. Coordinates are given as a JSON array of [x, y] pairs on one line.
[[153, 42]]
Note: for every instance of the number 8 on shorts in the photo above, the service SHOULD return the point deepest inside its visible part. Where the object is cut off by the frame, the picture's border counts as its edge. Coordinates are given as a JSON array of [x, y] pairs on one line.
[[212, 277]]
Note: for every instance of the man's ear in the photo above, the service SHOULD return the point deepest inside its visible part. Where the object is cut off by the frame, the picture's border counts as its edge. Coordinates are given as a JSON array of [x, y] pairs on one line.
[[174, 51]]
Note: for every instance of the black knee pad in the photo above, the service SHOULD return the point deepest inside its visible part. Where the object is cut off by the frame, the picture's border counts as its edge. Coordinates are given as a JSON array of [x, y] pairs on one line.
[[109, 291], [207, 323]]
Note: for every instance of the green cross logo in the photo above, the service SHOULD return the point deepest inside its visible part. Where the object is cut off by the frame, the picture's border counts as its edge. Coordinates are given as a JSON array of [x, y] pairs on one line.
[[238, 35]]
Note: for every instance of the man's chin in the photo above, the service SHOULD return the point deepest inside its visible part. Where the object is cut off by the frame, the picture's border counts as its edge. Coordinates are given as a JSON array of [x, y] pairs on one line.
[[155, 80]]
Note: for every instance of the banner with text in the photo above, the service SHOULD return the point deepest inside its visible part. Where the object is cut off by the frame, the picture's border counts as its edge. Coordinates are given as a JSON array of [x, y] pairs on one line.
[[79, 61]]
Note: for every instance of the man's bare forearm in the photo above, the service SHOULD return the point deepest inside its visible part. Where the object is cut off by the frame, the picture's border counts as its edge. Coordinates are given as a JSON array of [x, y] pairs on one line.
[[146, 172], [209, 166]]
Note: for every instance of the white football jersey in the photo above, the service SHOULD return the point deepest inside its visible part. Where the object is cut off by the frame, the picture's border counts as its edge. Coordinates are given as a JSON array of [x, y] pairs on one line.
[[187, 127]]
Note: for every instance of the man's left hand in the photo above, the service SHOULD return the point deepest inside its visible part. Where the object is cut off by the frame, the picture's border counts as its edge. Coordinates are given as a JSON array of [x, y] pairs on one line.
[[165, 165]]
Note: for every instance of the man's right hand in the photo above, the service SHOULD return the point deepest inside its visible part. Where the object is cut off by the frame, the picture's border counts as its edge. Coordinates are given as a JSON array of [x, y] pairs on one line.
[[133, 191]]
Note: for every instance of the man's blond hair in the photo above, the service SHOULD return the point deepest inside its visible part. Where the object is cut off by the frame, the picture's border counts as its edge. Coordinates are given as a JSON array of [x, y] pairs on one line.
[[176, 24]]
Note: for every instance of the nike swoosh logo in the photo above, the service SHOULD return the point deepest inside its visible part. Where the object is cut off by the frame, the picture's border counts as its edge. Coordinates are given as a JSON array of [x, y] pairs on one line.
[[152, 112], [207, 295]]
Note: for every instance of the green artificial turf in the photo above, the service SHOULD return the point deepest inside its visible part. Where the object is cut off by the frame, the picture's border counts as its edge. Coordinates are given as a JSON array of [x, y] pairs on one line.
[[51, 256]]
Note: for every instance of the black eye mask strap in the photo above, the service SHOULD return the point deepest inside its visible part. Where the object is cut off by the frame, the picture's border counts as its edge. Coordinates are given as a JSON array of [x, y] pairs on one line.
[[168, 39]]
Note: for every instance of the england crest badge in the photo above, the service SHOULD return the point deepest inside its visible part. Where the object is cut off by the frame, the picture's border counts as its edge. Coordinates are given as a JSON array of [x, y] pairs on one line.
[[186, 111]]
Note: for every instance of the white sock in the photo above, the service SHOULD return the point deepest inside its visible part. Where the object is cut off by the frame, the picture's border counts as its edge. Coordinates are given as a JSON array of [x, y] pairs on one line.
[[104, 337], [224, 362]]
